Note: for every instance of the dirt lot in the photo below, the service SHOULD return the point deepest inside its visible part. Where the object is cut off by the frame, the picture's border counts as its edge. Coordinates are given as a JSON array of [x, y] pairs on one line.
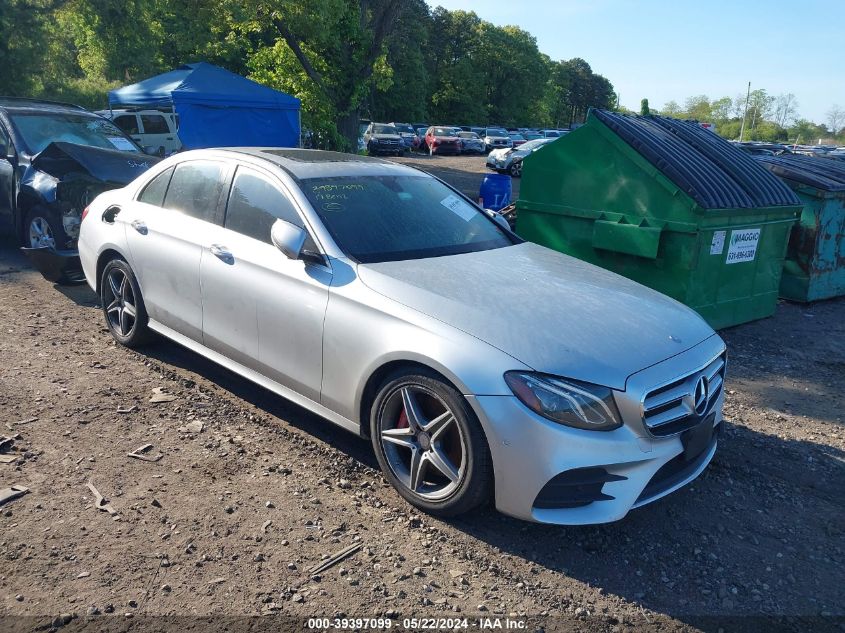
[[462, 172], [252, 491]]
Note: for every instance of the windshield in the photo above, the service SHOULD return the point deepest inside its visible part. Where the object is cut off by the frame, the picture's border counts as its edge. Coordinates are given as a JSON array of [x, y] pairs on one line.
[[392, 218], [405, 128], [444, 131], [40, 129], [496, 131], [384, 129]]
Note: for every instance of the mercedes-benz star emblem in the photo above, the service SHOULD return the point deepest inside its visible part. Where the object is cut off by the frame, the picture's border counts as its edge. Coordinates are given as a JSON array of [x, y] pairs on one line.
[[701, 395]]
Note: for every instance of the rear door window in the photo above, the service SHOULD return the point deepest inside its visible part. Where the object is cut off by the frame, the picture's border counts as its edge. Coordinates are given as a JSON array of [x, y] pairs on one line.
[[128, 123], [154, 192], [255, 204], [195, 189], [154, 124]]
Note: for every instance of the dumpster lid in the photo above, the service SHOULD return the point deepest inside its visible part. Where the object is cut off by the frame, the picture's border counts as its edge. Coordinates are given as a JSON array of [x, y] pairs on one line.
[[708, 168], [824, 174]]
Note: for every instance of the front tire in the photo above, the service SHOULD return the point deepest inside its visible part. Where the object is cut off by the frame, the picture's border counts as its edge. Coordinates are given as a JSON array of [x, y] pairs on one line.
[[430, 445], [44, 228], [515, 169], [123, 305]]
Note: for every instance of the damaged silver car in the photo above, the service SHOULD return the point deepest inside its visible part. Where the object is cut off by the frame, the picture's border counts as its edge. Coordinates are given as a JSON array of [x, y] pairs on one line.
[[54, 159]]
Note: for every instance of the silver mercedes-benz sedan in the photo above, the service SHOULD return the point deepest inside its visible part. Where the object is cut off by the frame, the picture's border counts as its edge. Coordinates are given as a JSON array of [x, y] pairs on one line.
[[479, 365]]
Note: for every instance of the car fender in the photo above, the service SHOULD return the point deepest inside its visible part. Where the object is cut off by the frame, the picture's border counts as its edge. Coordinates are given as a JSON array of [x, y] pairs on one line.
[[364, 331]]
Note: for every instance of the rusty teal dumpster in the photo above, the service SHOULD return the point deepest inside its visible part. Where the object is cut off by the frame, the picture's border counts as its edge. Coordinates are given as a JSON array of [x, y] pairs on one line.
[[815, 256], [665, 203]]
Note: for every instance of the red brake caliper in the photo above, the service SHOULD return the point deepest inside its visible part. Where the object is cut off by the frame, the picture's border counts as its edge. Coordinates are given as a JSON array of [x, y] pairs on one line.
[[402, 423]]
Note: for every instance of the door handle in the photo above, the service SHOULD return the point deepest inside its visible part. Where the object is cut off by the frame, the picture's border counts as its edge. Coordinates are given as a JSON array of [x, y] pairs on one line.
[[222, 253], [139, 226]]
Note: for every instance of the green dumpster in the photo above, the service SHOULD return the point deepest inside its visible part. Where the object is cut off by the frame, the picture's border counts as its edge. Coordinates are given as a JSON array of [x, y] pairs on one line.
[[666, 203], [815, 257]]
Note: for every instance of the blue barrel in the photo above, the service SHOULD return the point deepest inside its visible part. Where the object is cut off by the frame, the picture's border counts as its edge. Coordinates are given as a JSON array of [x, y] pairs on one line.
[[495, 191]]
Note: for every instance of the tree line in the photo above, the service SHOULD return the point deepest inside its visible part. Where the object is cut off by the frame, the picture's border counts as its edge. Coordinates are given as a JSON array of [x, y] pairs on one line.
[[768, 117], [388, 60]]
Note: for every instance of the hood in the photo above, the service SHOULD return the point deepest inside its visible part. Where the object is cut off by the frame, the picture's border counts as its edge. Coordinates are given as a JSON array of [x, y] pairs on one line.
[[387, 137], [504, 152], [553, 313], [62, 159], [496, 137]]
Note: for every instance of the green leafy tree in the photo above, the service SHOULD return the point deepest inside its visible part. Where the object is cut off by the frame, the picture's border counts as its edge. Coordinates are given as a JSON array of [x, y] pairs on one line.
[[671, 108], [24, 35], [720, 110], [698, 107]]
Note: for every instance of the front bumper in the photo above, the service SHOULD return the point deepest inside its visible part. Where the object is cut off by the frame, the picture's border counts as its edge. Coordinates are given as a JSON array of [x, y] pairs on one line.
[[529, 451], [61, 267]]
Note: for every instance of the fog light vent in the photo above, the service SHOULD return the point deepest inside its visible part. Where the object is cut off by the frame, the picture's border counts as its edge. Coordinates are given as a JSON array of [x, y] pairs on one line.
[[575, 488]]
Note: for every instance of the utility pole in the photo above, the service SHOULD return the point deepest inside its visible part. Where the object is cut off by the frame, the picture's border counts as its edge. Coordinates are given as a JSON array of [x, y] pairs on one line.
[[745, 114]]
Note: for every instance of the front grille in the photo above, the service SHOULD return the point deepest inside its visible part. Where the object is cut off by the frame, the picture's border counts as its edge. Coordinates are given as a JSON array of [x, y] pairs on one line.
[[677, 469], [670, 408]]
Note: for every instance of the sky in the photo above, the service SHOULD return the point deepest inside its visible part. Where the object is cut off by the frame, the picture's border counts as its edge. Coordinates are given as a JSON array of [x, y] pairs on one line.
[[668, 50]]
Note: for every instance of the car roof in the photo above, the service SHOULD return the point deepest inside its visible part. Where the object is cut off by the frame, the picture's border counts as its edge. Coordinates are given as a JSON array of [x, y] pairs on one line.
[[22, 104], [302, 164]]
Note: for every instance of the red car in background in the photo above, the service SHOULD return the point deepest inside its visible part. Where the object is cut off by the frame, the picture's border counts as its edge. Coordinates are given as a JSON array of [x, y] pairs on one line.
[[442, 140]]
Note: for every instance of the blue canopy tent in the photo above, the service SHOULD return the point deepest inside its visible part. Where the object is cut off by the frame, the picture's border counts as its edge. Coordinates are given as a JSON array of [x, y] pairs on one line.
[[217, 108]]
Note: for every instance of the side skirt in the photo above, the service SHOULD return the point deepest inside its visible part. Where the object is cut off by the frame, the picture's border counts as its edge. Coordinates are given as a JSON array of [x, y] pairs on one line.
[[254, 376]]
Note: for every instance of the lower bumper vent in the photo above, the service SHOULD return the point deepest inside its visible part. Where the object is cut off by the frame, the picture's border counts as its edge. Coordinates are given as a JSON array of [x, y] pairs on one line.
[[575, 488]]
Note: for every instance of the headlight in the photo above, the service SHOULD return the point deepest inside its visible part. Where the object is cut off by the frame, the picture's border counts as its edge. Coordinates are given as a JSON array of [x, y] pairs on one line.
[[374, 140], [570, 402]]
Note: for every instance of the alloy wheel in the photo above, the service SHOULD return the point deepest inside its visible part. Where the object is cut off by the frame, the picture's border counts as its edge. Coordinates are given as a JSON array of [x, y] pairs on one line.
[[41, 233], [423, 442], [120, 303]]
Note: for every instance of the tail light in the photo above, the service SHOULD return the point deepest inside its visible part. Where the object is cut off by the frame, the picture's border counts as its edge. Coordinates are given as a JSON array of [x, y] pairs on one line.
[[84, 213]]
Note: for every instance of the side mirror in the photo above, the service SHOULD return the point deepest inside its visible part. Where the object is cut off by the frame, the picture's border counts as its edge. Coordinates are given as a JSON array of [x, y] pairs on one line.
[[151, 150], [288, 238], [498, 218]]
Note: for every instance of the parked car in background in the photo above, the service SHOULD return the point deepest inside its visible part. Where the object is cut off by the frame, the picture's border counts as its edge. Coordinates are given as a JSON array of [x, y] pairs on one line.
[[517, 139], [442, 140], [509, 161], [384, 300], [382, 138], [54, 159], [409, 135], [148, 128], [532, 135], [553, 133], [496, 138], [421, 134], [471, 143]]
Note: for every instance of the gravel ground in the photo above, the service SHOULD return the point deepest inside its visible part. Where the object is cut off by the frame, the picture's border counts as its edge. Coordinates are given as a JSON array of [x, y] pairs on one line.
[[251, 491], [462, 172]]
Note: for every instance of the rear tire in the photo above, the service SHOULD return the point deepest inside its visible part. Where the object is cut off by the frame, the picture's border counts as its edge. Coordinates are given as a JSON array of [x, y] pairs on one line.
[[437, 456], [123, 305]]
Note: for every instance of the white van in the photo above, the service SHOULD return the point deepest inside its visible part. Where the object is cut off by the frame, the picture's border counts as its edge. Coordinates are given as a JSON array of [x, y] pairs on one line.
[[148, 128]]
